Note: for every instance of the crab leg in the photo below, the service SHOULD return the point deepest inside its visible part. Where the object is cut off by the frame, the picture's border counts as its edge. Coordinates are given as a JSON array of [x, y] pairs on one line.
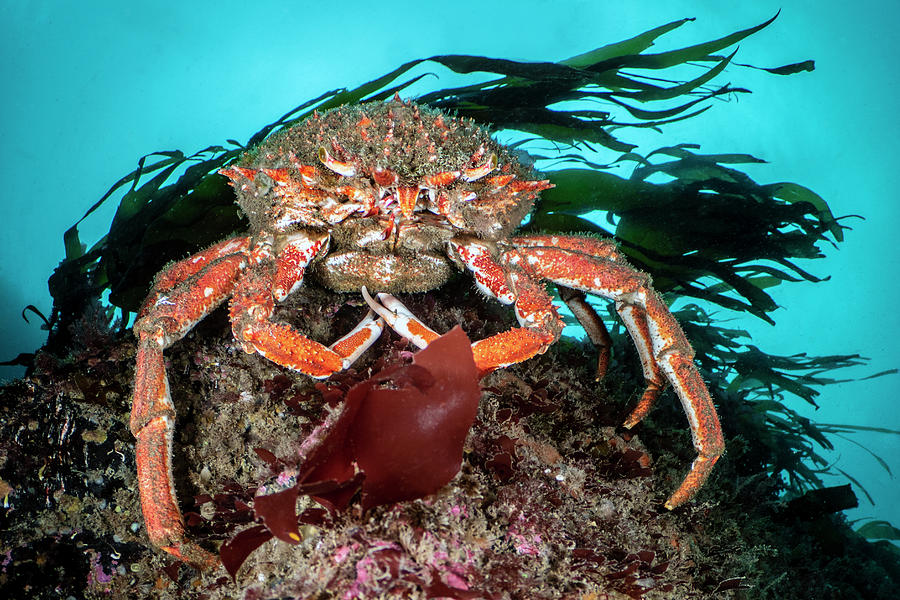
[[178, 272], [253, 305], [592, 323], [660, 341], [541, 325], [182, 295], [666, 355], [540, 322]]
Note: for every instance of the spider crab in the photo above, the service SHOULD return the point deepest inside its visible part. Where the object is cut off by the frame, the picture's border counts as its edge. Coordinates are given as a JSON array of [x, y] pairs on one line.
[[391, 197]]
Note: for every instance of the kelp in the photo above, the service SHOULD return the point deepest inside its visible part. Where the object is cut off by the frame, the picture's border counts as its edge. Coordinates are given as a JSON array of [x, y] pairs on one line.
[[159, 220], [879, 530], [699, 225], [711, 232]]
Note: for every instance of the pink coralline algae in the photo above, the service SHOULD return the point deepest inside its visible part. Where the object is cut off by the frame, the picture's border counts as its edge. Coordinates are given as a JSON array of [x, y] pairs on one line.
[[97, 574]]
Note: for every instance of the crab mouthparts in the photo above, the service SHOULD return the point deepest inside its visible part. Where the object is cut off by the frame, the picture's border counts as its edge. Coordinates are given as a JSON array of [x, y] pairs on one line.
[[406, 198]]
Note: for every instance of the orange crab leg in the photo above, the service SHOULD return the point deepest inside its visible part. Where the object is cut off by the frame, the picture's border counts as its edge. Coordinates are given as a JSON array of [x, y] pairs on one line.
[[170, 312], [182, 295], [592, 246], [541, 324], [253, 304], [666, 355], [578, 257], [293, 259], [153, 423], [660, 341], [178, 272]]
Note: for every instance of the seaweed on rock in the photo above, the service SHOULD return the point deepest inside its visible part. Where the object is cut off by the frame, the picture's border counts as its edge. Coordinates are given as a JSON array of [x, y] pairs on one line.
[[553, 499]]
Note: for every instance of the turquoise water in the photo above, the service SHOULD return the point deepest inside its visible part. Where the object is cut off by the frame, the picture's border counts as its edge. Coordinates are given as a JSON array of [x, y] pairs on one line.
[[89, 90]]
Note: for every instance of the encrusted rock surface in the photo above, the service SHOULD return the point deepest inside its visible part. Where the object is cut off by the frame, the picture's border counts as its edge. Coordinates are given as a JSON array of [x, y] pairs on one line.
[[554, 499]]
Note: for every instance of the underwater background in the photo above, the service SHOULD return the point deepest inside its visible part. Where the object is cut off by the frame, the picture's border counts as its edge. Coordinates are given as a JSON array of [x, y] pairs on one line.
[[92, 87]]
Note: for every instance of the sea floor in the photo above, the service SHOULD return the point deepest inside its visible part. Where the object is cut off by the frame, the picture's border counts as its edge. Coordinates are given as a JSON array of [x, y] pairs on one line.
[[554, 498]]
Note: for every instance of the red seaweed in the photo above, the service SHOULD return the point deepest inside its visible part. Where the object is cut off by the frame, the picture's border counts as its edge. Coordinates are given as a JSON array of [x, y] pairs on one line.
[[278, 512], [236, 550], [399, 437], [403, 428]]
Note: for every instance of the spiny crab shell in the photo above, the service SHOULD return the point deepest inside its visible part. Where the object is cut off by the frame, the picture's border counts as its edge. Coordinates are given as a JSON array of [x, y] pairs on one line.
[[410, 178]]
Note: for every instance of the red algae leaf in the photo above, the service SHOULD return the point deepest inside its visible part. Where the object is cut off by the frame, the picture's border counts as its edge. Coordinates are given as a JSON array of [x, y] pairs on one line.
[[438, 589], [202, 499], [171, 570], [659, 568], [279, 514], [313, 516], [589, 555], [267, 456], [328, 472], [404, 428], [335, 495], [236, 550], [192, 519], [409, 440]]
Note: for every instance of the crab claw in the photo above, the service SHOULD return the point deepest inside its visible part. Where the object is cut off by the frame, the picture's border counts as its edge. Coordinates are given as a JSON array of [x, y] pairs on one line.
[[400, 319]]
